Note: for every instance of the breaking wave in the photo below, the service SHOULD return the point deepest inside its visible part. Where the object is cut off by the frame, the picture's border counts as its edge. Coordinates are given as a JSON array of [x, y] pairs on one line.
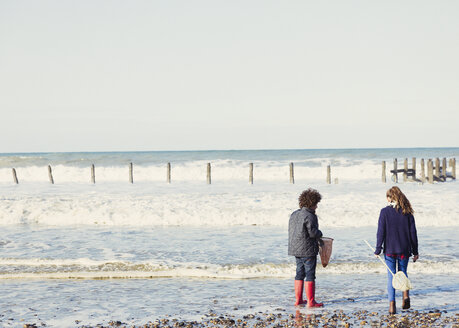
[[89, 269]]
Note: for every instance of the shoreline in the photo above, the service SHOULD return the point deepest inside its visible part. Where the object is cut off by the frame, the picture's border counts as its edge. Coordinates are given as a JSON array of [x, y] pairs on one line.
[[303, 317]]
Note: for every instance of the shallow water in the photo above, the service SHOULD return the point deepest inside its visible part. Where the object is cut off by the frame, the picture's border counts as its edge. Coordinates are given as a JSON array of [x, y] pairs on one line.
[[98, 274], [135, 301], [240, 252]]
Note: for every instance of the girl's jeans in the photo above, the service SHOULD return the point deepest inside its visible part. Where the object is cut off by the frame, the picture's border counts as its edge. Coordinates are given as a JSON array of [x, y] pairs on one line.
[[306, 268], [392, 263]]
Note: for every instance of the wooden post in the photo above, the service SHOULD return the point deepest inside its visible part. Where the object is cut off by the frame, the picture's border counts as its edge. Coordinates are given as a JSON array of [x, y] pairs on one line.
[[292, 176], [328, 174], [168, 172], [251, 173], [383, 174], [405, 170], [209, 179], [437, 168], [453, 169], [423, 172], [15, 177], [50, 174], [131, 173], [413, 165], [430, 170], [443, 169], [395, 176], [93, 173]]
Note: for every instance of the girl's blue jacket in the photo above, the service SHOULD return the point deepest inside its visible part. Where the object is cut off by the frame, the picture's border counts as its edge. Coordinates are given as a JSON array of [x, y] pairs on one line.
[[396, 233]]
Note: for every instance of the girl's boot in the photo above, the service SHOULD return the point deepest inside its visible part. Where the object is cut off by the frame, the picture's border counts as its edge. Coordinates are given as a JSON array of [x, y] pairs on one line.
[[392, 308], [299, 292], [406, 300], [310, 294]]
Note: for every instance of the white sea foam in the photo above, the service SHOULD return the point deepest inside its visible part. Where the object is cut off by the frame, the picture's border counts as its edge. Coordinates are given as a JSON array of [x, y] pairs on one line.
[[346, 204], [90, 269], [230, 200]]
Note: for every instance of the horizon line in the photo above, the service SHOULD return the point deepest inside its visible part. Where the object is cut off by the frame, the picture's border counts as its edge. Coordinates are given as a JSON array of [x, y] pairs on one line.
[[219, 150]]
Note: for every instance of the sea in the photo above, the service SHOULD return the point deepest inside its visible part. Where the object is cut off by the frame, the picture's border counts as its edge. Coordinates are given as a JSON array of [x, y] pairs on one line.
[[76, 253]]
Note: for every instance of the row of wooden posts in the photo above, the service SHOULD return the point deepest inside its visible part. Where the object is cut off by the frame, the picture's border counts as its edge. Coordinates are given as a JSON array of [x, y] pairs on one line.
[[168, 176], [434, 173]]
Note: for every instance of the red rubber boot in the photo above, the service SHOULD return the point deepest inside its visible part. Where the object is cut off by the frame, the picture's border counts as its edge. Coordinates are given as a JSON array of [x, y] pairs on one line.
[[299, 292], [310, 292]]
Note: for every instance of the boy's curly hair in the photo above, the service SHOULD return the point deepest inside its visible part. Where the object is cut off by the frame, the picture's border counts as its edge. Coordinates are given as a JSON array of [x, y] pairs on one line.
[[309, 198]]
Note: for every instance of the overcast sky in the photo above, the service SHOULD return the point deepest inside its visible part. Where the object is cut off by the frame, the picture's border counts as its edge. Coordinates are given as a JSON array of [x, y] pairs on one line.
[[209, 74]]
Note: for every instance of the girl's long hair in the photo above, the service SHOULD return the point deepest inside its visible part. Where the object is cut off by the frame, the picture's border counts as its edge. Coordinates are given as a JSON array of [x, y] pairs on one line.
[[401, 202]]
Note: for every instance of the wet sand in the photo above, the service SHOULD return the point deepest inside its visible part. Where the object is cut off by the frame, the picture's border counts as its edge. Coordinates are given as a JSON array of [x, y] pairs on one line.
[[302, 318]]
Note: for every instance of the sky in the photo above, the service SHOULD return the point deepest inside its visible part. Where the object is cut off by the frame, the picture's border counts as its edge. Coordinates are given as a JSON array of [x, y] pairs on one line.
[[135, 75]]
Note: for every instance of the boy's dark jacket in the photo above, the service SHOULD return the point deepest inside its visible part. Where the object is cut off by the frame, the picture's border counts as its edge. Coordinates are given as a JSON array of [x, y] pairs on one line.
[[303, 233], [396, 233]]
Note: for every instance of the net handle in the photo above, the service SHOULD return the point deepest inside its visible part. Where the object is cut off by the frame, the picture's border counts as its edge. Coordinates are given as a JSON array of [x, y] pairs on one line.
[[379, 257]]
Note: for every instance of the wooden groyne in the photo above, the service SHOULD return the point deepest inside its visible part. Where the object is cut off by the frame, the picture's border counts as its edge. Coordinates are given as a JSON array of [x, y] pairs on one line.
[[15, 176], [93, 174], [209, 174], [292, 174], [436, 172], [432, 170], [131, 173], [50, 174], [168, 176]]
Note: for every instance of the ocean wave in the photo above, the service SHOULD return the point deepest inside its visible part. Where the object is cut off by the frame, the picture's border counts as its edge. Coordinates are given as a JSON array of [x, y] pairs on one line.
[[90, 269], [350, 206]]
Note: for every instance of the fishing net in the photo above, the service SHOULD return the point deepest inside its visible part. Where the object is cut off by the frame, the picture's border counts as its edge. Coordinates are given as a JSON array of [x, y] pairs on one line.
[[400, 281], [325, 250]]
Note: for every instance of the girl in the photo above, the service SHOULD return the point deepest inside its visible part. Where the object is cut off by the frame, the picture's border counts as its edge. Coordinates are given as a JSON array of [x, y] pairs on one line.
[[398, 238]]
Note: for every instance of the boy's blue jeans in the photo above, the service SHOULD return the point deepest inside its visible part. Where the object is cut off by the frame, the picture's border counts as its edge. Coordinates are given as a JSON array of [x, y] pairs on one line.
[[306, 268], [392, 264]]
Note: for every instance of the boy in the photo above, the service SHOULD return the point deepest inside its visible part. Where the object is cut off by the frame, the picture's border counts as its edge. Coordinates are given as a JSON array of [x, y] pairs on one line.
[[303, 243]]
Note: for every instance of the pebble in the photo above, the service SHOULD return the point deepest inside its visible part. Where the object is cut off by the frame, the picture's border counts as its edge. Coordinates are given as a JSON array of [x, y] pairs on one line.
[[326, 319]]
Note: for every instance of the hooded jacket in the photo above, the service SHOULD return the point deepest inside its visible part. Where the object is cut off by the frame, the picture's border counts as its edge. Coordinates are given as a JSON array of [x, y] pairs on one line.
[[303, 233]]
